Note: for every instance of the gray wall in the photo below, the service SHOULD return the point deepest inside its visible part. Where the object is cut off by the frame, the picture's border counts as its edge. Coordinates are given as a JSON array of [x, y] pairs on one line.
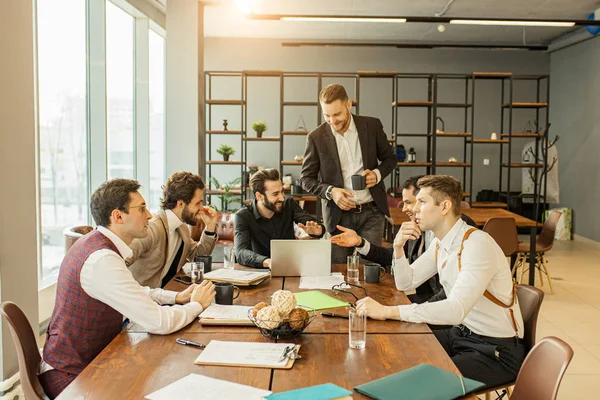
[[375, 97], [575, 95]]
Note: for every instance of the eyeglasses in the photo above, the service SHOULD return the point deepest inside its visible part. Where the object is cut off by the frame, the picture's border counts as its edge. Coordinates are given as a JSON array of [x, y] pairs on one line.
[[344, 288], [142, 208]]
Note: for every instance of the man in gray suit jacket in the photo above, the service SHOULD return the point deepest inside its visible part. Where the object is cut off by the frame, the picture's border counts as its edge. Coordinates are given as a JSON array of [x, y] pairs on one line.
[[348, 145], [160, 255]]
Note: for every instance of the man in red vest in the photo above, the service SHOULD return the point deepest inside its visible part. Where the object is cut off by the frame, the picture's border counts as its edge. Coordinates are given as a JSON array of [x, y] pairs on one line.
[[96, 292]]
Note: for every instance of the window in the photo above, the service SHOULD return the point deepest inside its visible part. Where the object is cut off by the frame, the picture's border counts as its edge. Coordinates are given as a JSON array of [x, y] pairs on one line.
[[62, 101], [120, 38], [157, 118]]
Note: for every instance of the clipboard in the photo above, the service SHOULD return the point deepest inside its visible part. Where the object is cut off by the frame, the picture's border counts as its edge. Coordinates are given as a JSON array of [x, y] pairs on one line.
[[219, 349]]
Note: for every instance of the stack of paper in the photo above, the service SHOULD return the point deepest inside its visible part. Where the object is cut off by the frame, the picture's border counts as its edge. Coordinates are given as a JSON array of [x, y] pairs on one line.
[[218, 314], [200, 387], [245, 354], [321, 282], [237, 276]]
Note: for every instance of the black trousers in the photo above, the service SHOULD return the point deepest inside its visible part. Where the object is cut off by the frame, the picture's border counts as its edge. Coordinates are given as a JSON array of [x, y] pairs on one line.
[[493, 361]]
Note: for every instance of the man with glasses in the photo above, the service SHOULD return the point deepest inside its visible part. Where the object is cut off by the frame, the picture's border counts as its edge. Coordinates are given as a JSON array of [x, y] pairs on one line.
[[158, 257], [95, 290]]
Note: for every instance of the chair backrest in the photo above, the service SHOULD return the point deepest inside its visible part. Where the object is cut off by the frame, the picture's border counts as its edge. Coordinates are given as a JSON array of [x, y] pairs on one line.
[[394, 202], [546, 239], [226, 226], [73, 233], [542, 370], [504, 232], [465, 204], [27, 350], [530, 301]]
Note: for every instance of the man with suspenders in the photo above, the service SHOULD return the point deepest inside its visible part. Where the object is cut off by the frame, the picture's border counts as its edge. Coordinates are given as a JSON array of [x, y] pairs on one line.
[[485, 341]]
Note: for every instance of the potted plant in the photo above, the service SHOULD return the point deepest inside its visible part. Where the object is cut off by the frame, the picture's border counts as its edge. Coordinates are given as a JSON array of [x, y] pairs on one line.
[[226, 151], [259, 127], [227, 197]]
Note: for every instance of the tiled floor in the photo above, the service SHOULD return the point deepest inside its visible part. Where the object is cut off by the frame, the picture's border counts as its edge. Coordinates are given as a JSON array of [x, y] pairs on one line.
[[573, 314]]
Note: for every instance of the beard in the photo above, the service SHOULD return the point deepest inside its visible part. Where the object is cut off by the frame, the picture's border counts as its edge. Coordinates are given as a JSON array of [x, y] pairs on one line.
[[276, 207], [188, 217], [344, 126]]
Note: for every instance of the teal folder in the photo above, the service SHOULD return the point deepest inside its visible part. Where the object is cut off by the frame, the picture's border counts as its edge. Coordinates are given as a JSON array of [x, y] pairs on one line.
[[423, 382], [321, 392]]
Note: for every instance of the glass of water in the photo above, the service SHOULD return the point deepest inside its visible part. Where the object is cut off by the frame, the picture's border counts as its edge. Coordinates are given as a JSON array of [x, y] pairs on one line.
[[357, 332], [197, 272], [352, 271], [228, 257]]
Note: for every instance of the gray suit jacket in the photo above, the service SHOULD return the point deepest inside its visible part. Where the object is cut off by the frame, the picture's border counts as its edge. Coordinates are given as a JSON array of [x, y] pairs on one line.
[[148, 264], [321, 166]]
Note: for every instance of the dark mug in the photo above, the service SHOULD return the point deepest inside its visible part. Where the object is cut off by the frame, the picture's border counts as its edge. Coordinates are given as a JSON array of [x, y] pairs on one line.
[[224, 291], [373, 272], [207, 260], [359, 182]]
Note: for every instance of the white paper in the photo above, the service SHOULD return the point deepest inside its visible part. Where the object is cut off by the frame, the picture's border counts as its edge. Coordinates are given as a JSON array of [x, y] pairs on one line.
[[236, 275], [244, 353], [321, 282], [200, 387], [219, 311]]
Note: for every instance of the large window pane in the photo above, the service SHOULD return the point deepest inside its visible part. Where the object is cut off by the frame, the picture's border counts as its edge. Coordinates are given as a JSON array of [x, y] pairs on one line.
[[157, 118], [120, 31], [63, 179]]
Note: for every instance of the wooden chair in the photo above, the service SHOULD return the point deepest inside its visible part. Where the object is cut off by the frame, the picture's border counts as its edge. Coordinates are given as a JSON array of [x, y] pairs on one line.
[[543, 370], [530, 301], [27, 350], [544, 242]]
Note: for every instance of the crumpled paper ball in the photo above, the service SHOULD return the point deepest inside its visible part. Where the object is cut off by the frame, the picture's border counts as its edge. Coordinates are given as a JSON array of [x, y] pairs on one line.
[[284, 301], [268, 318], [298, 318]]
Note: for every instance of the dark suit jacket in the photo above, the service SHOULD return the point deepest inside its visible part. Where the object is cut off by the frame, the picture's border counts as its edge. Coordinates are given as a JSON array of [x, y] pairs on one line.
[[321, 166]]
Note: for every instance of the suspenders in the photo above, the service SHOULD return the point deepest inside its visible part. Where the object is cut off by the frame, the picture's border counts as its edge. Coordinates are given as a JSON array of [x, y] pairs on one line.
[[487, 294]]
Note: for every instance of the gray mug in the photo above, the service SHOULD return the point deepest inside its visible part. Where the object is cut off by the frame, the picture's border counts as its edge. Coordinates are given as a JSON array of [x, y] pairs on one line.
[[224, 293], [359, 182], [207, 260], [373, 272]]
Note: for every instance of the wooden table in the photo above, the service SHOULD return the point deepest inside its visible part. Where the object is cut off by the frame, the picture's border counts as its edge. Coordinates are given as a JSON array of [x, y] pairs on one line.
[[136, 364], [480, 217]]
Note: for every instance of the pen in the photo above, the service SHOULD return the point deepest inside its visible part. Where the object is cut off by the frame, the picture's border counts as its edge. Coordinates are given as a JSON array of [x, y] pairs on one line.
[[190, 343], [331, 315]]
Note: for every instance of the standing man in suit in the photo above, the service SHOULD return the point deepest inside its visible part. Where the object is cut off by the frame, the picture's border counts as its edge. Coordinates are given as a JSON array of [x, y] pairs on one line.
[[347, 145], [159, 256]]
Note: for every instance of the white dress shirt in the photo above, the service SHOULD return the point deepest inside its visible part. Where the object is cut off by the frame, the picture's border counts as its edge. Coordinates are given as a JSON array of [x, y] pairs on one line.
[[484, 266], [351, 161], [174, 240], [105, 277]]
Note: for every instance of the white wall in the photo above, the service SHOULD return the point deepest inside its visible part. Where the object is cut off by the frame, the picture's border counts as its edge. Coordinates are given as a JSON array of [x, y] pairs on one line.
[[375, 96], [18, 233], [575, 96]]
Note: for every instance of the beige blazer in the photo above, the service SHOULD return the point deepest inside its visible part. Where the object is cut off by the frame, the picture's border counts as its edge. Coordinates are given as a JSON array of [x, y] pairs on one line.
[[148, 264]]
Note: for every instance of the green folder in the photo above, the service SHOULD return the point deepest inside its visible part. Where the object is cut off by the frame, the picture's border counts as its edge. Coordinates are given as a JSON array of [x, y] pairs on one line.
[[321, 392], [423, 382], [318, 300]]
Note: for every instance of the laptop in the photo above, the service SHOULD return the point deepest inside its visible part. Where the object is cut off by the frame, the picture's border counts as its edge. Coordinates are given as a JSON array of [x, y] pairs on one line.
[[300, 257]]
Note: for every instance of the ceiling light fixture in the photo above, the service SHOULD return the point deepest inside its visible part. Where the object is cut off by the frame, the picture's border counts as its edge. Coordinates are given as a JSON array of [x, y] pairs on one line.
[[344, 19], [562, 24]]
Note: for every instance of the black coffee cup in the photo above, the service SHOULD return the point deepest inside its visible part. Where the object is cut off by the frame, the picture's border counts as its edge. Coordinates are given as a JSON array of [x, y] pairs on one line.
[[207, 260], [224, 293], [373, 272], [359, 182]]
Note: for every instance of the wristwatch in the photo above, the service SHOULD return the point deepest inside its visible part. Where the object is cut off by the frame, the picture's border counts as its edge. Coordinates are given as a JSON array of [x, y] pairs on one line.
[[328, 192], [362, 243]]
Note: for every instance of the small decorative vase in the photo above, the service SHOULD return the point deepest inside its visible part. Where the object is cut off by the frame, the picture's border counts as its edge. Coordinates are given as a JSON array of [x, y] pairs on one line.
[[225, 157], [225, 123], [259, 134]]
